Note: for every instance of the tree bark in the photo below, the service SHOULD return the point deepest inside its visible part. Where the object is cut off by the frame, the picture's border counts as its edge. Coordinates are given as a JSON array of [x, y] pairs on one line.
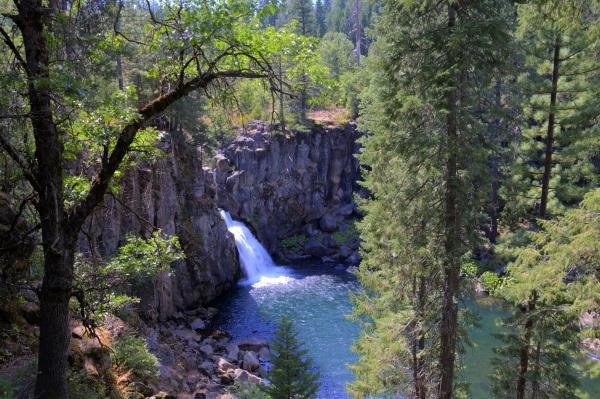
[[448, 327], [357, 32], [524, 351], [535, 385], [494, 173], [58, 242], [550, 131]]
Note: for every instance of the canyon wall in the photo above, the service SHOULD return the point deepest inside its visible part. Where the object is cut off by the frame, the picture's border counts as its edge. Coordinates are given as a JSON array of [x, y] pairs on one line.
[[292, 184], [176, 194]]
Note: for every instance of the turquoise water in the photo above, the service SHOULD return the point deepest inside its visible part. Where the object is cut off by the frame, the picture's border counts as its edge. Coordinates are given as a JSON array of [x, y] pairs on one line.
[[317, 299]]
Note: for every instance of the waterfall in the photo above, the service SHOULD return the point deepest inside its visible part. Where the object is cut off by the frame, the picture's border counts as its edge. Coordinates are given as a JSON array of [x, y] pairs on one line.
[[257, 264]]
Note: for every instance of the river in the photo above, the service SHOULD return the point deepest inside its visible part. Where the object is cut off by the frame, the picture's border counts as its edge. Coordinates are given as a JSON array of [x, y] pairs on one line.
[[316, 297]]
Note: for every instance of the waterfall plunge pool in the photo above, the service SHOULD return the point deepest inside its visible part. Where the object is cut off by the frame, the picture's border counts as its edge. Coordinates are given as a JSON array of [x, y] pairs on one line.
[[317, 298]]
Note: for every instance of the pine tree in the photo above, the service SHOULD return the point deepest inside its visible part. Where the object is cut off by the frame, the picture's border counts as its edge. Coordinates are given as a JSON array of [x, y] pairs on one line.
[[428, 65], [303, 13], [320, 18], [552, 281], [554, 164], [291, 375]]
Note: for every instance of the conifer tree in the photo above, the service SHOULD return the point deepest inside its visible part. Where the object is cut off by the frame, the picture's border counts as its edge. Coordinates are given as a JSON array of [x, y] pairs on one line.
[[424, 172], [320, 18], [553, 168], [551, 282], [291, 375]]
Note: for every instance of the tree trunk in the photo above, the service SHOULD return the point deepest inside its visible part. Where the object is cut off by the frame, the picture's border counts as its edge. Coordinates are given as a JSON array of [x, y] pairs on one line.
[[494, 173], [550, 132], [524, 351], [448, 325], [535, 385], [119, 58], [357, 32], [58, 245]]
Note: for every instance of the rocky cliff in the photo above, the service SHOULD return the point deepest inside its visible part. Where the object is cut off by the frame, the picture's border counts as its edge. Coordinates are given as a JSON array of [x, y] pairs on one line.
[[295, 189], [177, 195]]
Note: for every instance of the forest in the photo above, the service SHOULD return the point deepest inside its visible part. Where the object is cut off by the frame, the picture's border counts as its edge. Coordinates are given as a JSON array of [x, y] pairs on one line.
[[299, 199]]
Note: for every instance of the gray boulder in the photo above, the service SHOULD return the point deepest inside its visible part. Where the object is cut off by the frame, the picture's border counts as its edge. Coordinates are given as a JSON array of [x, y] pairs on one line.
[[197, 325], [328, 223]]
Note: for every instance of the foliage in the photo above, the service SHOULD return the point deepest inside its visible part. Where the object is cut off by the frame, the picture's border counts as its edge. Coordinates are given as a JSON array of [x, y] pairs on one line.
[[130, 353], [491, 282], [84, 386], [552, 281], [247, 390], [103, 287], [346, 236], [291, 375], [294, 244]]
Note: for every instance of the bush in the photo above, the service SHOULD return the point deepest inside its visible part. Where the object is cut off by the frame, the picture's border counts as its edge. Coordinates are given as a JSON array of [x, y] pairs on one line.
[[82, 386], [294, 244], [491, 281], [247, 390], [130, 352], [344, 237]]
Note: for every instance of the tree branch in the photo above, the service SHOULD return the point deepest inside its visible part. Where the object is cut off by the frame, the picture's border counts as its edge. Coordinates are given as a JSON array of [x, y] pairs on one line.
[[19, 160], [13, 48], [148, 112]]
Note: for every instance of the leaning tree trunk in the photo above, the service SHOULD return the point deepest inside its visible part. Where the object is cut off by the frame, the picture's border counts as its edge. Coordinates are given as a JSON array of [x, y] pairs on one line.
[[550, 131], [448, 327]]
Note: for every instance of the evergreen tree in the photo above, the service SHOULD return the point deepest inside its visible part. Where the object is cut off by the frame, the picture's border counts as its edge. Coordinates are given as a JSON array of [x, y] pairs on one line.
[[551, 282], [554, 165], [320, 18], [303, 13], [291, 375], [430, 62]]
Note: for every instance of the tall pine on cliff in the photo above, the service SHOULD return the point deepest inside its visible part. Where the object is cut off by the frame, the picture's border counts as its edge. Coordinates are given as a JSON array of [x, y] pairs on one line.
[[291, 375], [425, 165]]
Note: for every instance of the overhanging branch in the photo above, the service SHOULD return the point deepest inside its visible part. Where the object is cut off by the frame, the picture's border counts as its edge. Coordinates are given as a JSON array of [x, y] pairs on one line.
[[146, 113]]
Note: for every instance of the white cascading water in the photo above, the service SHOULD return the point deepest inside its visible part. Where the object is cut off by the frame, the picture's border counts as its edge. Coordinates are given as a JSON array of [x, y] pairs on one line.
[[257, 264]]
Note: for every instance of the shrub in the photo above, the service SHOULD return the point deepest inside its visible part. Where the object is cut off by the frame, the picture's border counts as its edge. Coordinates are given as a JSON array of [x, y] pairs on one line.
[[344, 237], [491, 281], [83, 386], [247, 390], [130, 352], [294, 244]]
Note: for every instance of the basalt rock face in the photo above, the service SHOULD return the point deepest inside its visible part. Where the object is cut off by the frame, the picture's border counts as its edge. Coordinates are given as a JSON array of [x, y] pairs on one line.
[[177, 195], [290, 184]]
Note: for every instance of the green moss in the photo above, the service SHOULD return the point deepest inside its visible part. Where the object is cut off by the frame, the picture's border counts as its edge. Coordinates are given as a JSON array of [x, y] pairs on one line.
[[344, 237], [294, 244]]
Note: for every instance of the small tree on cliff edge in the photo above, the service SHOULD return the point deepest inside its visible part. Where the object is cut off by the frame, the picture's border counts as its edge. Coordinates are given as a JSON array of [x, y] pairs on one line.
[[290, 376]]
